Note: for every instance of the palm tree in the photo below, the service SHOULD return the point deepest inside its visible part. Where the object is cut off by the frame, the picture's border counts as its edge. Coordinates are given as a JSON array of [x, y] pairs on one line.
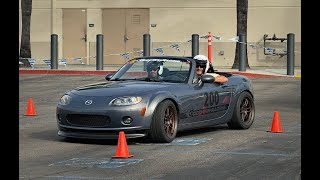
[[25, 47], [242, 16]]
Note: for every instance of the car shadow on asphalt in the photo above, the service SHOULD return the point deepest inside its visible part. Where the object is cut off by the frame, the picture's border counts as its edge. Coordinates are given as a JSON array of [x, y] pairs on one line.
[[51, 135], [200, 131]]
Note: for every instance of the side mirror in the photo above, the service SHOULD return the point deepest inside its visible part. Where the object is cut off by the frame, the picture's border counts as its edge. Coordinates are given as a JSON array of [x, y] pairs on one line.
[[109, 76], [207, 78]]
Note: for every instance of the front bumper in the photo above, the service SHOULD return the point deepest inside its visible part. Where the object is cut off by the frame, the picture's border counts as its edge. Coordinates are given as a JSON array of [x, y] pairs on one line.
[[98, 123], [113, 133]]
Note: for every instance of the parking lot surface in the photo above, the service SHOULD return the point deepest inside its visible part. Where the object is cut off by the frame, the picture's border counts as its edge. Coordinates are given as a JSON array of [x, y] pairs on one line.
[[210, 153]]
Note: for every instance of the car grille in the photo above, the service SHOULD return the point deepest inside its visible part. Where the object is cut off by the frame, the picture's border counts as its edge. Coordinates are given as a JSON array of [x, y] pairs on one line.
[[88, 120]]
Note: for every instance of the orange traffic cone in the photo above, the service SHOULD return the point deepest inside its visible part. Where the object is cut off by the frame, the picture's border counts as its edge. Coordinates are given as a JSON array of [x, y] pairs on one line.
[[122, 149], [30, 109], [276, 124]]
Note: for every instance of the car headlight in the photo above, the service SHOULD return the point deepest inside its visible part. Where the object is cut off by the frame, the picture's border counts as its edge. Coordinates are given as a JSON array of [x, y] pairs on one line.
[[124, 101], [65, 99]]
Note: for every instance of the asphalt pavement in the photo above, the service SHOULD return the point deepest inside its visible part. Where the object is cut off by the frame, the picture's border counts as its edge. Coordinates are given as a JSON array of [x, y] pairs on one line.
[[210, 153]]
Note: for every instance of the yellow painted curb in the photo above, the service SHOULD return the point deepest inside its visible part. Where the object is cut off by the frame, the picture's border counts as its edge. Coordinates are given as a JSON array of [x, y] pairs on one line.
[[297, 75]]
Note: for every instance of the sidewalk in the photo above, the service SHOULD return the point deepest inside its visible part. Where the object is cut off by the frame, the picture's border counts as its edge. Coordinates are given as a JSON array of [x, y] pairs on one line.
[[269, 71], [91, 69]]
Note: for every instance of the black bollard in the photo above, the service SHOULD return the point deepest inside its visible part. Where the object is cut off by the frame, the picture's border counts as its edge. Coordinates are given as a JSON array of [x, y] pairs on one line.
[[146, 45], [195, 45], [290, 54], [146, 48], [242, 52], [99, 53], [54, 51]]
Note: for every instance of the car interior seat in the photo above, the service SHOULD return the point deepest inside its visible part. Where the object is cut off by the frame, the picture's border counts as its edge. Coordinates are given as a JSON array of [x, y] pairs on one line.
[[165, 72]]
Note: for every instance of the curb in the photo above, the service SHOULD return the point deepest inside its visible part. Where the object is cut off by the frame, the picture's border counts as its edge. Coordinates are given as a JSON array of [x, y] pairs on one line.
[[104, 72], [75, 72]]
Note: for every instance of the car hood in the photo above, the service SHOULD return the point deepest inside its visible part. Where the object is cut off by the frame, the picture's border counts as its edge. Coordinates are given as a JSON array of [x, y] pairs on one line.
[[119, 88]]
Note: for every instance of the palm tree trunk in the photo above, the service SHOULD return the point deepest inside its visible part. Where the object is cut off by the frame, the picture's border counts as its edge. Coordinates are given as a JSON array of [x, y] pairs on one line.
[[25, 47], [242, 16]]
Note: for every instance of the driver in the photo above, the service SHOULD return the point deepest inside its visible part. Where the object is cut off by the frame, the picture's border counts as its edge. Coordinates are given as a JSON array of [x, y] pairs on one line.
[[155, 69], [203, 66]]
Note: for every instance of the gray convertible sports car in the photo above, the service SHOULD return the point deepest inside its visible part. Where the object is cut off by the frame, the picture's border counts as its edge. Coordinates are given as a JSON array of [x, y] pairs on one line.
[[143, 103]]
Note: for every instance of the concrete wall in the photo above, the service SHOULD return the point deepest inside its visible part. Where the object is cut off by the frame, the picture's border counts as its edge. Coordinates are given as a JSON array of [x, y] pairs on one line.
[[177, 20], [40, 32]]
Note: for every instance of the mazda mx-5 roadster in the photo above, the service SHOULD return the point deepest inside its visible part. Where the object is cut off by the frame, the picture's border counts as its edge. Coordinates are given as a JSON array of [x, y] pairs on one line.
[[155, 97]]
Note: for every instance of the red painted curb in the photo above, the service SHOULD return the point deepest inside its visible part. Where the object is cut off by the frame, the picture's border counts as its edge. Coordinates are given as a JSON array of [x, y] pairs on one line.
[[103, 72], [53, 71]]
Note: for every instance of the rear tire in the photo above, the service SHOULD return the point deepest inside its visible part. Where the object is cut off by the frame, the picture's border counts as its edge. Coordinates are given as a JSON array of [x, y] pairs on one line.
[[244, 112], [164, 123]]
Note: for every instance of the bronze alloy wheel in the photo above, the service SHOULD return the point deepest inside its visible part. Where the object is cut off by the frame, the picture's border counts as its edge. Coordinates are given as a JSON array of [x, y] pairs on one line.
[[244, 111], [170, 121], [164, 125]]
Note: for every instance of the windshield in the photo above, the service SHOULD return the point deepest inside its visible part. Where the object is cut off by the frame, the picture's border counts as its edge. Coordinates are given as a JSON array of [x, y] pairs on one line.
[[158, 69]]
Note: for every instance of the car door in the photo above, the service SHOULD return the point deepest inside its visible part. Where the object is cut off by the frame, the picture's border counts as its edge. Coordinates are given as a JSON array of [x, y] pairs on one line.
[[206, 102], [190, 100], [216, 101]]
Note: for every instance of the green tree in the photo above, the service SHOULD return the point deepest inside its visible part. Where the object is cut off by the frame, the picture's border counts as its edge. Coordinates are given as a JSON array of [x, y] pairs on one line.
[[25, 47], [242, 16]]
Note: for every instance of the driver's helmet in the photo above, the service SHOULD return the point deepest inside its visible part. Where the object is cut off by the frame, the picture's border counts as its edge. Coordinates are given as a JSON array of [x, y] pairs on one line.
[[203, 61], [153, 65]]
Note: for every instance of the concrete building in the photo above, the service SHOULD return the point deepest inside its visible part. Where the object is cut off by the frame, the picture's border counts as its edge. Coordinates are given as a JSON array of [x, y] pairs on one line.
[[123, 23]]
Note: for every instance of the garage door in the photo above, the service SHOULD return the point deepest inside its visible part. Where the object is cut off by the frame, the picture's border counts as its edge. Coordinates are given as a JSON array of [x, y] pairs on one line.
[[123, 31], [74, 33]]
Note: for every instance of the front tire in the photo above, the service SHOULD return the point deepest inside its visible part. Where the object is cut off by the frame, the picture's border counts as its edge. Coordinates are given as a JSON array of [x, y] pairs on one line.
[[164, 123], [244, 112]]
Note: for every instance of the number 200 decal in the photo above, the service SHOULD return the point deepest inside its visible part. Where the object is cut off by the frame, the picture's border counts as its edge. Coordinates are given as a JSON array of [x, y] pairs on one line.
[[211, 98]]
